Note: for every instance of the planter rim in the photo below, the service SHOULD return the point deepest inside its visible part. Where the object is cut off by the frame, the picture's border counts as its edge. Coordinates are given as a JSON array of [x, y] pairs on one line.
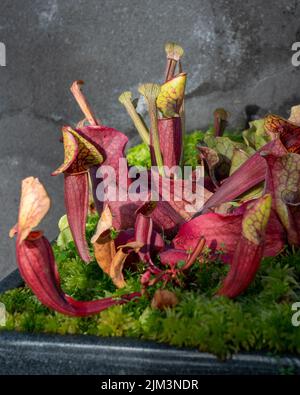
[[27, 353]]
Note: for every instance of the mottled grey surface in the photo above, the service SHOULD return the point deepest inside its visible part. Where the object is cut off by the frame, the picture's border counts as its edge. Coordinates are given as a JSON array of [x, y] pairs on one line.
[[23, 353], [237, 54]]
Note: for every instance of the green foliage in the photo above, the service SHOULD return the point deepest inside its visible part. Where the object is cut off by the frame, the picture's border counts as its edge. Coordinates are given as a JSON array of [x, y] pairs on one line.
[[65, 235], [256, 136], [139, 156], [226, 147], [258, 320], [191, 140], [114, 233]]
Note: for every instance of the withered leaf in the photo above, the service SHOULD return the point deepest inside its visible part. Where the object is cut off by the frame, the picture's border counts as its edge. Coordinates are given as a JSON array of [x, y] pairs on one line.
[[117, 264], [34, 205], [110, 260], [163, 299], [295, 115], [104, 245]]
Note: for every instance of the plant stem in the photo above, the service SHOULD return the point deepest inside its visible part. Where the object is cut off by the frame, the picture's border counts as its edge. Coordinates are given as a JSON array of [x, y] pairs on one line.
[[174, 52], [125, 99], [182, 117], [155, 138], [83, 103], [194, 255], [151, 92], [170, 69], [220, 121]]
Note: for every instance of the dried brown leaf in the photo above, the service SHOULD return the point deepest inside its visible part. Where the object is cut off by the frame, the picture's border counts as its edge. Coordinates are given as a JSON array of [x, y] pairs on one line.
[[163, 299], [104, 245], [34, 205], [117, 264]]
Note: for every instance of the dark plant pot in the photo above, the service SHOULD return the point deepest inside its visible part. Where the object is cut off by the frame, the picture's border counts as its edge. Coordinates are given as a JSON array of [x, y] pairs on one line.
[[24, 353]]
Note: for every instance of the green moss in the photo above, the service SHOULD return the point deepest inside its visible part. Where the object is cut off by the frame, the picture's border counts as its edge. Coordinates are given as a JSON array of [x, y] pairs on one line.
[[258, 320], [191, 153], [139, 155]]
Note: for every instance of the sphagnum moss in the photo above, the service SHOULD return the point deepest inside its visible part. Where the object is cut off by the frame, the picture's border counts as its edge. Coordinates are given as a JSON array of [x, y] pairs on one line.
[[259, 320]]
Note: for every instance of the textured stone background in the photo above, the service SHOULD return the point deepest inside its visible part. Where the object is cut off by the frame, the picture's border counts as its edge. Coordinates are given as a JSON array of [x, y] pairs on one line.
[[238, 54]]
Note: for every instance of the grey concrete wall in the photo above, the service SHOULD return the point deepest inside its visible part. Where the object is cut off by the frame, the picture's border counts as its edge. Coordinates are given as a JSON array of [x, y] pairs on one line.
[[237, 54]]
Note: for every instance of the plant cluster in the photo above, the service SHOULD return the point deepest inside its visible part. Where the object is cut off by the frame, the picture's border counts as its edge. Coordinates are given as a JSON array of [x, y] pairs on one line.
[[258, 320], [251, 208]]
